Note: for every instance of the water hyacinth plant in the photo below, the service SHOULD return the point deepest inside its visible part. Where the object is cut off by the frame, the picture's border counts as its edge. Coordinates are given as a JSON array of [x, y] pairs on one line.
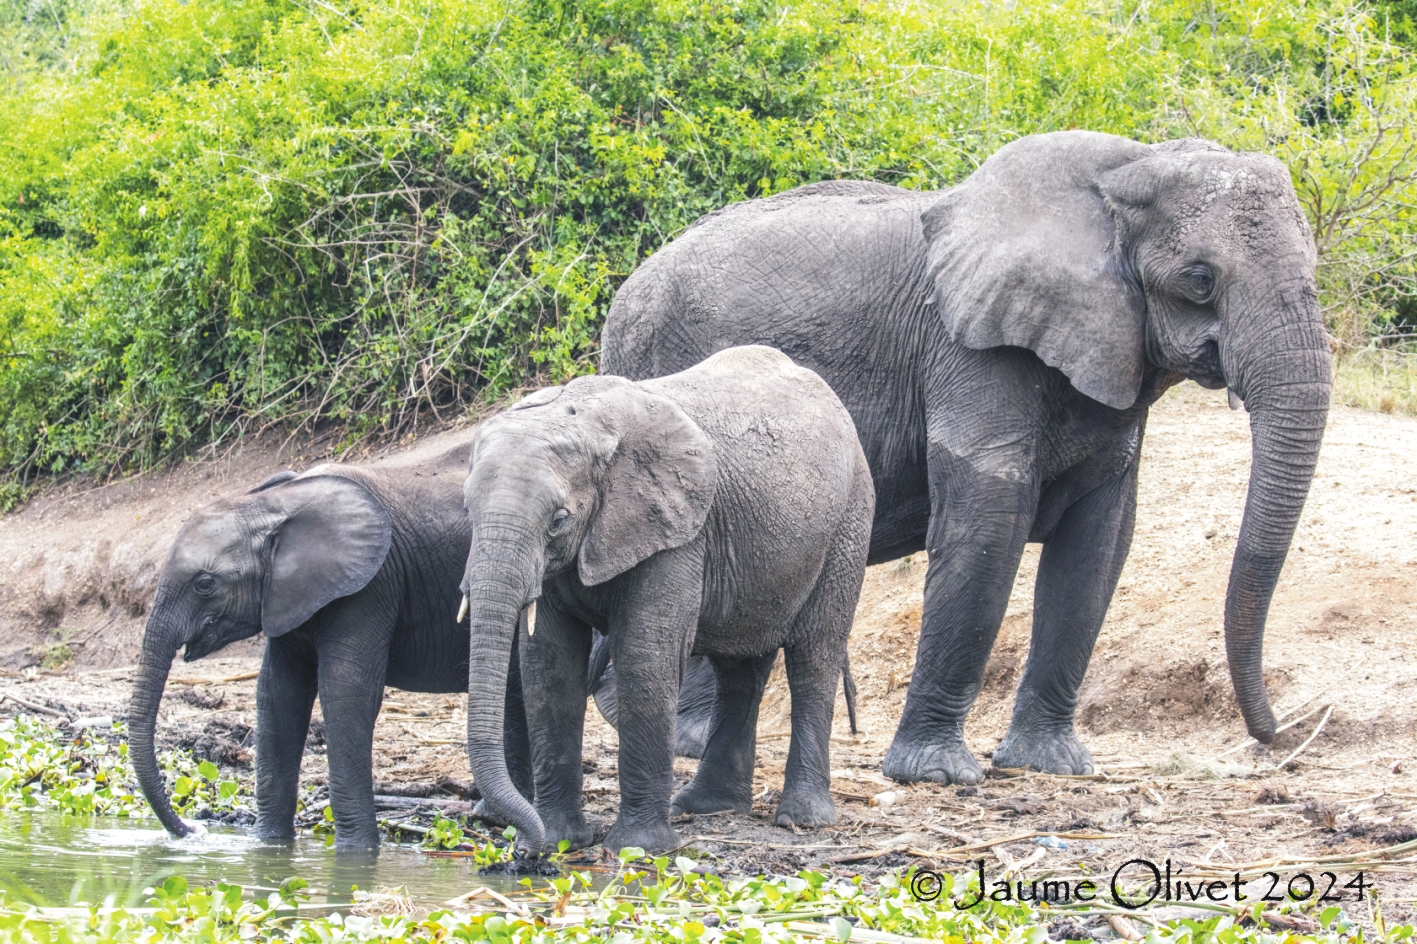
[[664, 901], [43, 767]]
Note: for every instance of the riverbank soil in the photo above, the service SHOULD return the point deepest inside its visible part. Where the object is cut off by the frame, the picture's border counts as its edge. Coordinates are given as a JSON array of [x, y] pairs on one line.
[[1176, 779]]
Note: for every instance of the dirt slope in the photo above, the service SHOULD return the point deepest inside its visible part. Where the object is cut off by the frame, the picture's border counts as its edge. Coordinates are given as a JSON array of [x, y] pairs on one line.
[[82, 561]]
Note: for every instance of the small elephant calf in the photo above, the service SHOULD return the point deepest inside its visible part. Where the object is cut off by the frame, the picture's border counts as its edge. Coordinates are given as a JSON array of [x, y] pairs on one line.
[[723, 511], [352, 573]]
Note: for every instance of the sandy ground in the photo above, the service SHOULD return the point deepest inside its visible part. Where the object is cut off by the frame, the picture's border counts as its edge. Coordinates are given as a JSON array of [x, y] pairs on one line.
[[1156, 709]]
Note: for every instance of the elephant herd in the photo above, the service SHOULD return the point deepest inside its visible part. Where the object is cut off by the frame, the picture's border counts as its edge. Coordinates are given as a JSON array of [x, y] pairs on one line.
[[794, 388]]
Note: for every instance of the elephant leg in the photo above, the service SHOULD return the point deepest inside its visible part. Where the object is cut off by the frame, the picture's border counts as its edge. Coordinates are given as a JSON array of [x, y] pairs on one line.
[[694, 721], [650, 632], [353, 666], [724, 780], [979, 524], [814, 657], [285, 696], [696, 694], [553, 672], [1077, 574]]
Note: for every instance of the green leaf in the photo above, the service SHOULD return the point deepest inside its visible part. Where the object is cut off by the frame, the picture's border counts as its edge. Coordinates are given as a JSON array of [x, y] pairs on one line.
[[208, 770]]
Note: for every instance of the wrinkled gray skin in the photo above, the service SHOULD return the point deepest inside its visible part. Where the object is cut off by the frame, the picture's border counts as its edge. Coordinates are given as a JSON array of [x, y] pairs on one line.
[[724, 511], [694, 719], [352, 574], [998, 345]]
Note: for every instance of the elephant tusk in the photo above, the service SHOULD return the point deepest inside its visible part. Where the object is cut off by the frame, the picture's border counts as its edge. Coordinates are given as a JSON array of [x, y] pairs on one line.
[[1235, 401], [462, 609]]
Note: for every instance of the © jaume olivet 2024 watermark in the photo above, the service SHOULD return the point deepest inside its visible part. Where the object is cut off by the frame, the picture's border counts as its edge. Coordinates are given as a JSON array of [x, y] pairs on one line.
[[1140, 882]]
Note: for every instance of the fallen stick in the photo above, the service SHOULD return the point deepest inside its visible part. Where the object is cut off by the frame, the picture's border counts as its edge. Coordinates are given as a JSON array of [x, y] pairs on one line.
[[483, 891], [32, 706], [384, 802], [754, 842], [1002, 840], [948, 833], [1124, 927], [207, 680], [1300, 749], [864, 856], [1258, 809]]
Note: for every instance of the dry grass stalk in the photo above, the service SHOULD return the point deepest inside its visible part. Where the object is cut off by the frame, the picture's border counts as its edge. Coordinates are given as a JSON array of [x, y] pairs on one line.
[[383, 901]]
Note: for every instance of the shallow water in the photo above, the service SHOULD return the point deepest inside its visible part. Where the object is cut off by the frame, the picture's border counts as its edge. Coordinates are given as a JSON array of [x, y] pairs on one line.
[[52, 859]]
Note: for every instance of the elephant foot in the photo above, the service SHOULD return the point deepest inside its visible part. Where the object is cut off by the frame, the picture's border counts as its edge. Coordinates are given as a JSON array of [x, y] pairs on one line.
[[805, 809], [357, 841], [1053, 752], [273, 833], [702, 797], [950, 762], [572, 828], [653, 839]]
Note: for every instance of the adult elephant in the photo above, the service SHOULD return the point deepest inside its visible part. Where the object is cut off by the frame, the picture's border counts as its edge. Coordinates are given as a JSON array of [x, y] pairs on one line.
[[998, 345], [352, 575]]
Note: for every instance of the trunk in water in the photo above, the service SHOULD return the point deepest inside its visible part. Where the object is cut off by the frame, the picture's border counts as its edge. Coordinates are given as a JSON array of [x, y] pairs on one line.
[[1287, 420], [142, 722], [495, 608]]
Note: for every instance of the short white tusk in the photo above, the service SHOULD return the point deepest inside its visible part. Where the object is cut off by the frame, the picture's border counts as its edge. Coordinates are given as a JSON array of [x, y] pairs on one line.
[[462, 609], [1235, 401]]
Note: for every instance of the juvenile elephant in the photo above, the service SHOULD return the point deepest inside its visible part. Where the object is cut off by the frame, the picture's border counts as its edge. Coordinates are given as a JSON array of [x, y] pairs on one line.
[[723, 511], [352, 574], [998, 345]]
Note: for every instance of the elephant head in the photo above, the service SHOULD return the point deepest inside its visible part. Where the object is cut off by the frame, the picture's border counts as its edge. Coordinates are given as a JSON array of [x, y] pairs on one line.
[[1114, 261], [595, 476], [264, 562]]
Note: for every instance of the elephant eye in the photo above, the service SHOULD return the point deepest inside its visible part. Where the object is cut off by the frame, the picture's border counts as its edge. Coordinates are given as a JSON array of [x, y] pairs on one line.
[[1199, 281], [560, 520], [204, 584]]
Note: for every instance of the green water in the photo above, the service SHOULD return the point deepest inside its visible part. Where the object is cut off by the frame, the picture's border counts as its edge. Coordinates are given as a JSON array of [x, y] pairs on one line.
[[52, 859]]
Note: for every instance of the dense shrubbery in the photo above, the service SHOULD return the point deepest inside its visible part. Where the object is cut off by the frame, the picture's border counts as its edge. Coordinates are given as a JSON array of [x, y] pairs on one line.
[[220, 215]]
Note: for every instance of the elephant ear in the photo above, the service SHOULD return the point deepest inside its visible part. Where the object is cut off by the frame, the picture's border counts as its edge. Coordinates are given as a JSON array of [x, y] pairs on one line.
[[329, 538], [273, 481], [656, 492], [1024, 253]]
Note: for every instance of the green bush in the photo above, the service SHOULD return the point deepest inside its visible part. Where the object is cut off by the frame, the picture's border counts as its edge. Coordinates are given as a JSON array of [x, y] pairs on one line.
[[219, 216]]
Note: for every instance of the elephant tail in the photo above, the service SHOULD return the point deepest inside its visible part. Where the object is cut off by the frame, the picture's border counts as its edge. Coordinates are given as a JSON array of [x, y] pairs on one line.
[[848, 685]]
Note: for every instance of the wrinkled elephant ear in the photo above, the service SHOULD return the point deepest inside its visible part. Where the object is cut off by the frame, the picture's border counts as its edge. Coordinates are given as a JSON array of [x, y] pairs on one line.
[[1024, 253], [660, 483], [328, 538]]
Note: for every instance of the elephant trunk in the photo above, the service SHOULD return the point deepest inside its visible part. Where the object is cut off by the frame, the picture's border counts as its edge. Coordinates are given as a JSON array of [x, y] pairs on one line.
[[496, 598], [1288, 403], [153, 668]]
